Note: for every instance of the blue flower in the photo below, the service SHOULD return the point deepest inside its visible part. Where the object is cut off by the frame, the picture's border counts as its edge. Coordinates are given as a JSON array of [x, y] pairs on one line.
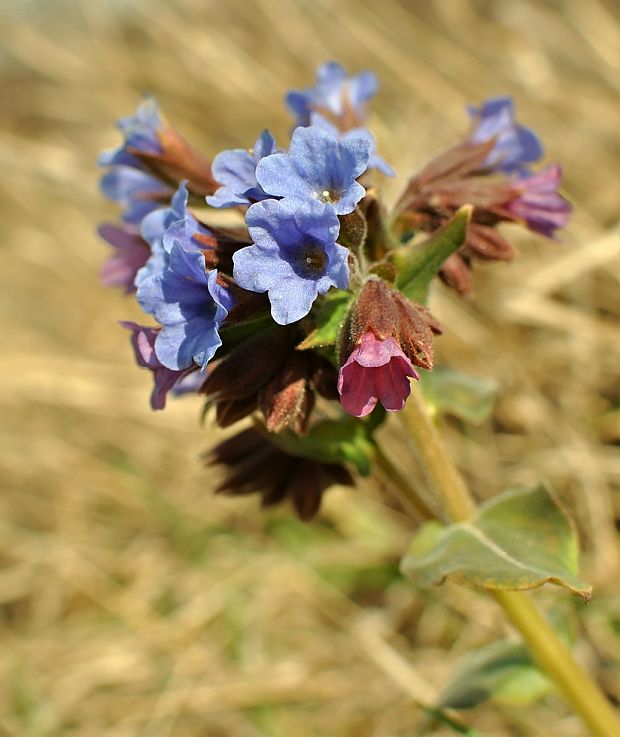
[[236, 172], [141, 132], [515, 145], [375, 161], [318, 166], [161, 228], [137, 192], [334, 93], [190, 305], [294, 256]]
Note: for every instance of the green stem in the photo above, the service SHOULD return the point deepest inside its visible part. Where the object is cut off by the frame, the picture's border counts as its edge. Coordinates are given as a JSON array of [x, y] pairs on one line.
[[410, 499], [548, 650]]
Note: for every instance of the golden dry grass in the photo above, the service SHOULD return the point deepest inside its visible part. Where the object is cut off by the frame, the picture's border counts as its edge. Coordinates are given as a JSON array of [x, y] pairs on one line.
[[133, 602]]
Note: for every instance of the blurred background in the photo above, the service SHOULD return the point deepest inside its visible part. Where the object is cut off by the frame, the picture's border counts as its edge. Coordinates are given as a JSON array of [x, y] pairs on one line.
[[133, 602]]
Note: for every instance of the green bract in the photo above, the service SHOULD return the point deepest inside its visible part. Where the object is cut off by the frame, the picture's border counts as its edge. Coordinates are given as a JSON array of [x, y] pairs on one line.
[[418, 263]]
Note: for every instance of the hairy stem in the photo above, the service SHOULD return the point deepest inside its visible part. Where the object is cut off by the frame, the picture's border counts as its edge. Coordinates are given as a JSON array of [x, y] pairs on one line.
[[548, 650], [413, 502]]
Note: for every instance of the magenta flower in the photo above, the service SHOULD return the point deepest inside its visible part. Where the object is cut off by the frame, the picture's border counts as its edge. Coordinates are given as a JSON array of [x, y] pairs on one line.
[[377, 370]]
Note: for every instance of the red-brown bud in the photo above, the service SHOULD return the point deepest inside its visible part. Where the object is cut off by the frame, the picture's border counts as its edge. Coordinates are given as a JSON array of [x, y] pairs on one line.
[[288, 398]]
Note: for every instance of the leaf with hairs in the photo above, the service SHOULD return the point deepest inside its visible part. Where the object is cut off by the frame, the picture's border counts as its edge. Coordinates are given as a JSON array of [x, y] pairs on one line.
[[519, 540]]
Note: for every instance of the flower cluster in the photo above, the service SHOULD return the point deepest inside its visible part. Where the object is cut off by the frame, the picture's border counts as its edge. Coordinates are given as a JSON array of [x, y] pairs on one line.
[[317, 294]]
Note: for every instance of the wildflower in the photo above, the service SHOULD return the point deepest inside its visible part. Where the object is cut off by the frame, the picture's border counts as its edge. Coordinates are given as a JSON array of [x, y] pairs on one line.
[[377, 370], [130, 255], [143, 342], [515, 146], [335, 94], [235, 170], [152, 147], [317, 167], [538, 203], [294, 256], [141, 135], [137, 192], [374, 161], [248, 299], [456, 177], [255, 465], [190, 306], [161, 228], [383, 336]]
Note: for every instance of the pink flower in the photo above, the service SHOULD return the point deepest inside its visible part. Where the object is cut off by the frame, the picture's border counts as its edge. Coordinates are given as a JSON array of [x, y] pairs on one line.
[[376, 370], [165, 379], [539, 205], [130, 255]]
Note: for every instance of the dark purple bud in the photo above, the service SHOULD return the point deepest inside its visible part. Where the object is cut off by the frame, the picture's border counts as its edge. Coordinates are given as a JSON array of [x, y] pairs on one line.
[[246, 370], [230, 411], [254, 464]]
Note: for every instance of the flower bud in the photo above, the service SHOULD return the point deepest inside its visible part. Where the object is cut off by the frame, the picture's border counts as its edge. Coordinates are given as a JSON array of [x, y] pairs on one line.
[[288, 398], [245, 370], [255, 465]]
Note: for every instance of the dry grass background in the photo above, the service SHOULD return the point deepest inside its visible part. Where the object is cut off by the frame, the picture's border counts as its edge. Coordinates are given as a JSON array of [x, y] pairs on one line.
[[133, 602]]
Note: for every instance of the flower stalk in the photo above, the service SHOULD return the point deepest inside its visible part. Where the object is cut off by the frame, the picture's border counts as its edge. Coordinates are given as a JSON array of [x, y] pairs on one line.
[[546, 647]]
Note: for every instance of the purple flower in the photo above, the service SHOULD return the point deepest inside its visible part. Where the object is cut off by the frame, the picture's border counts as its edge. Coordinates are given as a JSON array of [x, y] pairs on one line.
[[319, 167], [190, 305], [141, 132], [377, 370], [375, 161], [235, 170], [294, 257], [131, 253], [143, 341], [161, 228], [334, 92], [515, 145], [136, 191], [539, 204]]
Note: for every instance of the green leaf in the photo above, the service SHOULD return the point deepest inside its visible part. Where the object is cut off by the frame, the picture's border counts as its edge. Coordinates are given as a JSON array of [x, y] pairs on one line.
[[418, 263], [451, 392], [333, 441], [503, 671], [330, 316], [519, 540]]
